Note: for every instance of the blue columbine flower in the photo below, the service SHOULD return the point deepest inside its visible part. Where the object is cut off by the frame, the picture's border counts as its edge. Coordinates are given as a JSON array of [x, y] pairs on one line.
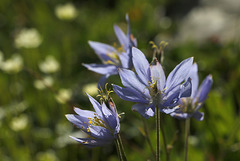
[[189, 106], [111, 56], [102, 126], [149, 87]]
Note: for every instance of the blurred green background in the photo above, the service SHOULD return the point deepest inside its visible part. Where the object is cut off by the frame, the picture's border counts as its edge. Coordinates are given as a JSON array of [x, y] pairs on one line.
[[43, 44]]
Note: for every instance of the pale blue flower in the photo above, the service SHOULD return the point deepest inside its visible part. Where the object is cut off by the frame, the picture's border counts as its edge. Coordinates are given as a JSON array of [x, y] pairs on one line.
[[149, 86], [101, 126], [111, 56], [189, 106]]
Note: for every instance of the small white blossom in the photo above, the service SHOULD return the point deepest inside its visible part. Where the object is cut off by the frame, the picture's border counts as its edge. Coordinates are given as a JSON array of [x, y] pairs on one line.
[[63, 96], [19, 123], [90, 88], [66, 11], [28, 38], [49, 65], [12, 65], [49, 155], [42, 84]]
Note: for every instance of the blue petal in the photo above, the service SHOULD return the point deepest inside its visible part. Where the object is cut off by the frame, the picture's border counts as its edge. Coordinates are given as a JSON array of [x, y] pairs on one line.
[[144, 109], [171, 98], [204, 89], [193, 74], [186, 89], [78, 120], [102, 49], [102, 68], [168, 110], [97, 107], [129, 94], [158, 75], [198, 116], [121, 37], [180, 115], [179, 74], [125, 58], [132, 41], [84, 113], [130, 80], [91, 143], [141, 65], [100, 132], [110, 118]]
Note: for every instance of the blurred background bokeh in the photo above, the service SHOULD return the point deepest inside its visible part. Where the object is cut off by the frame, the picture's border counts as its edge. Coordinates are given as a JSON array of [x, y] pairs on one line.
[[43, 44]]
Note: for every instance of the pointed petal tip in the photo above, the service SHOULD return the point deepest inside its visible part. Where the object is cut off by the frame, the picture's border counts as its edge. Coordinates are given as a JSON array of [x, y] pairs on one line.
[[210, 76]]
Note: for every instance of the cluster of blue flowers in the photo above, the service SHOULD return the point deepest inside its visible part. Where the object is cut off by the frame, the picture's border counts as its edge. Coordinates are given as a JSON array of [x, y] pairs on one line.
[[144, 83]]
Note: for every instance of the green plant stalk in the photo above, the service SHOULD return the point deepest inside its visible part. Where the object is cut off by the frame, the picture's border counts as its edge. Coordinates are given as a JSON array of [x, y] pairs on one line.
[[158, 134], [147, 136], [121, 148], [164, 141], [118, 150], [187, 130]]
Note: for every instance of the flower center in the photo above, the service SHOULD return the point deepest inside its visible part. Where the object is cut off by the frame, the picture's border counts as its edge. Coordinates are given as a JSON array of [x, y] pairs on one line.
[[114, 58]]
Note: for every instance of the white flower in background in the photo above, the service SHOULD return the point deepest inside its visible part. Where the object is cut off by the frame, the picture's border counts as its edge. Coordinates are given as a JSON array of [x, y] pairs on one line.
[[49, 65], [12, 65], [28, 38], [64, 95], [204, 23], [66, 11], [49, 155], [91, 89], [42, 84], [19, 123]]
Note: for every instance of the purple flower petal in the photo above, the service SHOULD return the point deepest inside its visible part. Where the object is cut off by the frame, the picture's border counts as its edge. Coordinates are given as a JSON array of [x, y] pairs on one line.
[[100, 132], [129, 94], [180, 115], [90, 143], [186, 89], [111, 119], [144, 109], [102, 68], [158, 75], [121, 37], [102, 50], [141, 65], [179, 74], [125, 59], [75, 119], [130, 80], [204, 89], [198, 115], [97, 107], [193, 74]]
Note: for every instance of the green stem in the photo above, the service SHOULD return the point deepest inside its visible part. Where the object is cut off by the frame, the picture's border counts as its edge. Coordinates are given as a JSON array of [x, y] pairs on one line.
[[123, 155], [164, 140], [118, 150], [147, 136], [158, 134], [187, 130]]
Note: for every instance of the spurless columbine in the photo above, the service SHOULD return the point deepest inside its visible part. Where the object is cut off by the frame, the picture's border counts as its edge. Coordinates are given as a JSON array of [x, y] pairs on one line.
[[149, 87], [189, 106], [102, 126], [111, 56]]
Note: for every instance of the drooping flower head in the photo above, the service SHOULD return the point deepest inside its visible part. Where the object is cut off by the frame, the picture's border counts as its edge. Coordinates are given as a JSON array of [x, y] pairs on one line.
[[189, 106], [113, 57], [149, 86], [101, 126]]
